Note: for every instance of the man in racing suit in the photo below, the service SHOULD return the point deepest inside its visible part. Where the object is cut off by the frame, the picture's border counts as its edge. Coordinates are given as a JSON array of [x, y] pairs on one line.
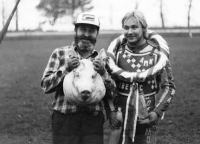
[[137, 96]]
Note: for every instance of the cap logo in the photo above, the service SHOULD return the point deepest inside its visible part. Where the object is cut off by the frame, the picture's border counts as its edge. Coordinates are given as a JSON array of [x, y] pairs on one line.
[[88, 17]]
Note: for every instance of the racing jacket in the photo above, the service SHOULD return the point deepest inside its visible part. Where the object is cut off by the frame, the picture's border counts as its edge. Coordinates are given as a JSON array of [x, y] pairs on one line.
[[128, 60]]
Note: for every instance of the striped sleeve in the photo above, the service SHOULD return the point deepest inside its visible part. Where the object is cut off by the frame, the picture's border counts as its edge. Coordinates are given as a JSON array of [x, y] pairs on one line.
[[164, 48], [168, 90], [114, 46]]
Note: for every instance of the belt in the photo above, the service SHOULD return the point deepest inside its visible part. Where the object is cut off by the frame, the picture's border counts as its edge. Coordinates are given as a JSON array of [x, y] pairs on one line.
[[93, 112]]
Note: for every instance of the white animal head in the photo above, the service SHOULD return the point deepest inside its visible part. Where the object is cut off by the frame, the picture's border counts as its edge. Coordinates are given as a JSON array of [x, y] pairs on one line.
[[84, 86]]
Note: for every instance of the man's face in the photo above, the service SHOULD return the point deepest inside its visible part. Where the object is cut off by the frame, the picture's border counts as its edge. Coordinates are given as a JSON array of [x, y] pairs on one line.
[[133, 31], [86, 37]]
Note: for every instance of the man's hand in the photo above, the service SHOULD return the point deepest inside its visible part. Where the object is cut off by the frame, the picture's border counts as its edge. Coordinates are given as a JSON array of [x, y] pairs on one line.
[[153, 119], [99, 66], [73, 62], [114, 123]]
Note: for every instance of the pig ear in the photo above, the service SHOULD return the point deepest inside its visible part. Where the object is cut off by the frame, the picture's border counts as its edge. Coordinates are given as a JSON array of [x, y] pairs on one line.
[[102, 54]]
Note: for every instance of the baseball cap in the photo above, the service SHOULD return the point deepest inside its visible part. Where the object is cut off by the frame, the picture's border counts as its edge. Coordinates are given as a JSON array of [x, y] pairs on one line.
[[88, 18]]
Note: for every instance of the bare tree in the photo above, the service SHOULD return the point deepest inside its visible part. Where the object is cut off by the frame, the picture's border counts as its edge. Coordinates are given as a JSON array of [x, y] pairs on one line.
[[189, 10], [188, 24], [54, 9], [111, 13], [136, 4], [17, 20], [5, 27], [3, 13], [161, 14]]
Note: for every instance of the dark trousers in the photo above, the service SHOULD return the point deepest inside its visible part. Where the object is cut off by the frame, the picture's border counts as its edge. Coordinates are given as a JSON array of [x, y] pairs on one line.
[[77, 128]]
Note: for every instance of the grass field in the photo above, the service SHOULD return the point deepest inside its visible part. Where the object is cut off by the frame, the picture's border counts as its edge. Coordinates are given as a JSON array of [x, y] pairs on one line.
[[25, 115]]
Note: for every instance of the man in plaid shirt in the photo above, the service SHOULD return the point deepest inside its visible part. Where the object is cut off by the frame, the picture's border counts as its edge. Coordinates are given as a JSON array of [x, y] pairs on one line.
[[73, 124]]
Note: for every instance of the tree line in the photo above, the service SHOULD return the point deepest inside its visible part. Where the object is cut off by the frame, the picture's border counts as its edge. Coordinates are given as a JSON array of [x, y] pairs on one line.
[[55, 9]]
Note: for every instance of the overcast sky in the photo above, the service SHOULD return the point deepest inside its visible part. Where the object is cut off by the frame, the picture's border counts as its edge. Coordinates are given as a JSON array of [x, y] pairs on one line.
[[110, 13]]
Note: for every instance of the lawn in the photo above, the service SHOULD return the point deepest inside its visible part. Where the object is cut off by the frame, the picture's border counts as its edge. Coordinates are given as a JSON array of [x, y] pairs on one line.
[[25, 115]]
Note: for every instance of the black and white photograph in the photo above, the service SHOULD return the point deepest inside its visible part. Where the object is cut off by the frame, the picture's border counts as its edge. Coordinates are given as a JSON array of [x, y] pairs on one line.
[[99, 71]]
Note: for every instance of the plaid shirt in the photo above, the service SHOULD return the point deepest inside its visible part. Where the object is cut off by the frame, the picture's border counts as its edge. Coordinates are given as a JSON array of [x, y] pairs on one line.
[[54, 74]]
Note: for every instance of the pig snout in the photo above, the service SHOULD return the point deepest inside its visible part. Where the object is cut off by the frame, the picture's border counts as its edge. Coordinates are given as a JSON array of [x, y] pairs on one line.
[[85, 95]]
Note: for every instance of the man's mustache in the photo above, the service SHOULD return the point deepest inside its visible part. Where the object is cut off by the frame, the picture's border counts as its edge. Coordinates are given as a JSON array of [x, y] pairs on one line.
[[83, 37], [86, 38]]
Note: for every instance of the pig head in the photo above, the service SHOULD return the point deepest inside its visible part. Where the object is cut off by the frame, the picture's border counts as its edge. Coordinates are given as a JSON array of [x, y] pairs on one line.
[[83, 85]]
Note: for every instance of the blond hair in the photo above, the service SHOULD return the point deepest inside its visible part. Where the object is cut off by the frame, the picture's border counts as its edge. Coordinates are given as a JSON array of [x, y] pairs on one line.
[[140, 18]]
